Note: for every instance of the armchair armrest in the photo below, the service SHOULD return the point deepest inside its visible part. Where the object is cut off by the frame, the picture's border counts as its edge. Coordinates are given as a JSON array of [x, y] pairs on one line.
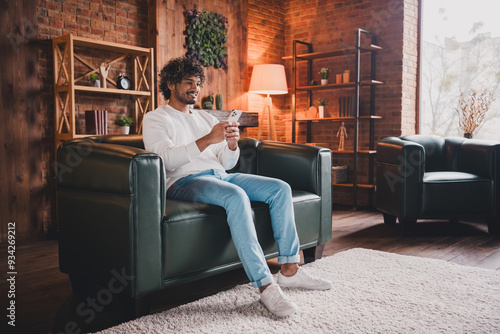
[[400, 169], [303, 167], [110, 201], [480, 157], [248, 156]]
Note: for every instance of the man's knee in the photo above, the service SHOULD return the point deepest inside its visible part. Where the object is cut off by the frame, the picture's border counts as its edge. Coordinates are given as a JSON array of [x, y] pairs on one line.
[[283, 186], [236, 196]]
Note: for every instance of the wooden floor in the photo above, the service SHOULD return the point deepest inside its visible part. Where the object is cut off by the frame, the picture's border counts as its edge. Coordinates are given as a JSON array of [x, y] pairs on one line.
[[45, 304]]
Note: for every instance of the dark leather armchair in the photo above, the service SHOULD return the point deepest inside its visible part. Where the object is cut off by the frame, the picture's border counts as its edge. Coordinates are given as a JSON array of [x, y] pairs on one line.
[[118, 230], [431, 177]]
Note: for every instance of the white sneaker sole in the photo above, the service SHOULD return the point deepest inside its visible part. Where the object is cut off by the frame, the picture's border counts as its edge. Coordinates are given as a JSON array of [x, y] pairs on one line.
[[298, 286]]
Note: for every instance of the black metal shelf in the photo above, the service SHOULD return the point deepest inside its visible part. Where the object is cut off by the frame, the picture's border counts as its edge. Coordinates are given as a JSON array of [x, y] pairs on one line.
[[359, 50]]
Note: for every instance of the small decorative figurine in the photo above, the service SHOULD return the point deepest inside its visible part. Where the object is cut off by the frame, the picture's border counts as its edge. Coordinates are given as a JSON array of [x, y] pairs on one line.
[[343, 134], [312, 112], [104, 73]]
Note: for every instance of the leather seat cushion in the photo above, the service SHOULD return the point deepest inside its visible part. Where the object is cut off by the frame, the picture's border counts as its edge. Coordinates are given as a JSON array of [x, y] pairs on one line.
[[196, 236], [462, 194]]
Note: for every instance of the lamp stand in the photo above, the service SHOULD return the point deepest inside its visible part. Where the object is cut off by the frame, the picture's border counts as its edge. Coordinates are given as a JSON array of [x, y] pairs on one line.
[[268, 108]]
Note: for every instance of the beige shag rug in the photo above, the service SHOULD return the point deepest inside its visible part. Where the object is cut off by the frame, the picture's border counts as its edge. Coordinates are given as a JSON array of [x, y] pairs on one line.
[[374, 292]]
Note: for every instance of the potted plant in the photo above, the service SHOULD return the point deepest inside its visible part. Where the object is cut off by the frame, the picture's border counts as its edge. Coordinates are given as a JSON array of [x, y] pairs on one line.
[[124, 123], [472, 108], [322, 101], [206, 37], [94, 78], [208, 102], [324, 75], [219, 102]]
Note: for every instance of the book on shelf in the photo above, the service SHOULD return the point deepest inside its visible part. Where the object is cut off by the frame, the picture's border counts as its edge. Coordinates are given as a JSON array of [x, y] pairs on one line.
[[96, 122], [347, 106]]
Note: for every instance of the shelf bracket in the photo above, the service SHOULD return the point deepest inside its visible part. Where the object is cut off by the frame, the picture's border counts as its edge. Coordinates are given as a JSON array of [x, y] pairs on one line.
[[142, 69], [140, 110], [63, 118], [62, 63]]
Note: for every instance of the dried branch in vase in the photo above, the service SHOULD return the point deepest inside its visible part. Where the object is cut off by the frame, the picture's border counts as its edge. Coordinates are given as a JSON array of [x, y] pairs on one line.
[[472, 108]]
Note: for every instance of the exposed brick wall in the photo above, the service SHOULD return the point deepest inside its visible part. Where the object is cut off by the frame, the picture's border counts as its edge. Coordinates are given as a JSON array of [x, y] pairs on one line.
[[123, 22], [272, 26], [332, 24], [410, 62], [266, 45], [110, 20]]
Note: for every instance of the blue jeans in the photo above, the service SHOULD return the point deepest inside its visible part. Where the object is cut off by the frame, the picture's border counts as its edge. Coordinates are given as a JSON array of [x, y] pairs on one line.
[[234, 192]]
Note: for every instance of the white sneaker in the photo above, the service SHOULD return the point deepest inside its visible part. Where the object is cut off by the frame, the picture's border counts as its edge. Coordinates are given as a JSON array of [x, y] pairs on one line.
[[276, 302], [302, 279]]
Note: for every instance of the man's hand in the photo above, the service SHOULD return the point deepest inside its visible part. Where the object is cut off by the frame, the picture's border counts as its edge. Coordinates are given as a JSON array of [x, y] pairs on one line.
[[232, 133], [215, 136], [221, 131]]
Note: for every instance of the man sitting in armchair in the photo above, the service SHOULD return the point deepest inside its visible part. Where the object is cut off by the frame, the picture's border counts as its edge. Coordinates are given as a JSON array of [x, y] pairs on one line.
[[197, 150]]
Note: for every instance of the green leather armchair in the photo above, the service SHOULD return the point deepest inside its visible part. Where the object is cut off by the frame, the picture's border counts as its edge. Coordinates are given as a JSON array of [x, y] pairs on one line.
[[431, 177], [117, 229]]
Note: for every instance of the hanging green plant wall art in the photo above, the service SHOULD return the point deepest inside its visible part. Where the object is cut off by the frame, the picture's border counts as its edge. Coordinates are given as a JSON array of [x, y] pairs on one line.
[[206, 37]]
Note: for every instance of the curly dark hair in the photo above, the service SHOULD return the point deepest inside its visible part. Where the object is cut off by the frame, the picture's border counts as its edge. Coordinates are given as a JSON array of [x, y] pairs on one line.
[[176, 70]]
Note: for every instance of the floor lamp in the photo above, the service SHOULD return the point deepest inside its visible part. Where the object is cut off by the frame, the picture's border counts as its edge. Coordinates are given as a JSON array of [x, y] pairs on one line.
[[269, 79]]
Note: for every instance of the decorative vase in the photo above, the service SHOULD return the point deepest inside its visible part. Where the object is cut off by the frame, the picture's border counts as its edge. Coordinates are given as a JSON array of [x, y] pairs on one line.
[[97, 83], [125, 130], [324, 81], [468, 135], [346, 76], [338, 78], [321, 111]]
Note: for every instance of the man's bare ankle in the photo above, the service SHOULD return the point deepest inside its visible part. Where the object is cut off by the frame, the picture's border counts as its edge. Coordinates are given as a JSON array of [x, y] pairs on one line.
[[262, 288], [289, 269]]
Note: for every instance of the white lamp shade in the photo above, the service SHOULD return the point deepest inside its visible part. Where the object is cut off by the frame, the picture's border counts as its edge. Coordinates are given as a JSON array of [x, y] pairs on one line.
[[268, 79]]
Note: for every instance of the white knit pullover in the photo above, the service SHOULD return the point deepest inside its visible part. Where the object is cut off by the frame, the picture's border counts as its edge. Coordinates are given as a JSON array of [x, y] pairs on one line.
[[172, 134]]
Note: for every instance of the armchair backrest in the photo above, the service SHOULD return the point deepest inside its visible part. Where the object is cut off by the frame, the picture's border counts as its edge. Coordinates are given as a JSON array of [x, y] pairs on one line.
[[248, 156], [248, 149], [126, 140], [443, 154], [453, 148], [435, 151], [263, 158]]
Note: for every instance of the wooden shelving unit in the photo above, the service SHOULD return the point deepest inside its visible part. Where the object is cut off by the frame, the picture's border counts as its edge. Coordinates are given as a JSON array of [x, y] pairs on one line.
[[337, 86], [67, 85], [334, 53], [356, 52], [335, 118]]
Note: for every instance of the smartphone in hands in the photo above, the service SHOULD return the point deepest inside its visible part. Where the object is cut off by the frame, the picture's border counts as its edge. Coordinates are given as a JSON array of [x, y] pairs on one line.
[[234, 116]]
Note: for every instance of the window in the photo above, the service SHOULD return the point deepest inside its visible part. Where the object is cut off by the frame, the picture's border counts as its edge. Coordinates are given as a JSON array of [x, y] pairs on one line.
[[460, 53]]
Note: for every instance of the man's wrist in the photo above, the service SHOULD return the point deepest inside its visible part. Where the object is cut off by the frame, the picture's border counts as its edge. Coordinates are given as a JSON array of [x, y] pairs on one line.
[[232, 146], [202, 143]]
